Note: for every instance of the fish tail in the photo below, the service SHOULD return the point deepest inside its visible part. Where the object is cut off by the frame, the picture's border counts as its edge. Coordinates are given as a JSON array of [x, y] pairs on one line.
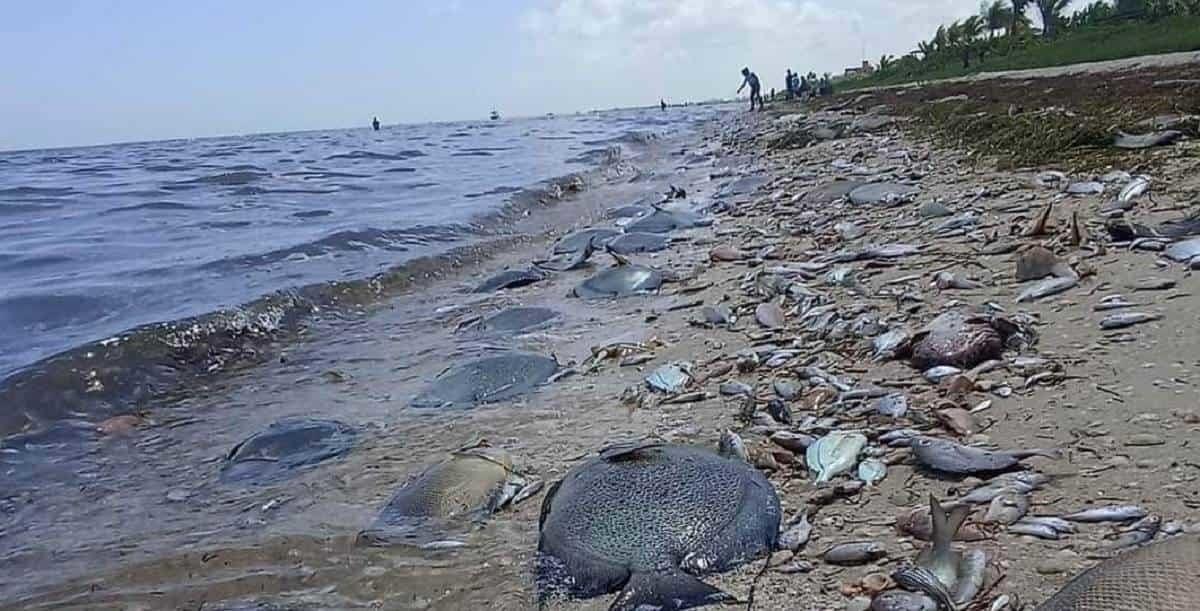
[[667, 590], [946, 524]]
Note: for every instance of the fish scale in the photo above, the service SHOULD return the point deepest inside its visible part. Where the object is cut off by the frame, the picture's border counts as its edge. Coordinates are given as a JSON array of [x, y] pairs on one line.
[[1160, 577]]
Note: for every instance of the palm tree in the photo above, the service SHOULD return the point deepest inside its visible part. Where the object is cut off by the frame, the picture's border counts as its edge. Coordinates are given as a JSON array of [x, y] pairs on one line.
[[996, 16], [1018, 13], [886, 63], [1051, 12]]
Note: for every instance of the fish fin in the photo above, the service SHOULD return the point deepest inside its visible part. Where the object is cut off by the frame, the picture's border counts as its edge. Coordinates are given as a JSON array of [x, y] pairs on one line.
[[1052, 453], [667, 590], [628, 451], [547, 501], [946, 524]]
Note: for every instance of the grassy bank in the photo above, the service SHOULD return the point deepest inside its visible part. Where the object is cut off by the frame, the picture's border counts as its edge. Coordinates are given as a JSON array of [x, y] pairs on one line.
[[1094, 43]]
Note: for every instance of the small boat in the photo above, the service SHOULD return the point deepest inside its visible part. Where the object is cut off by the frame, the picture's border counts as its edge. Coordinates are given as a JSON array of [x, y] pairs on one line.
[[495, 116]]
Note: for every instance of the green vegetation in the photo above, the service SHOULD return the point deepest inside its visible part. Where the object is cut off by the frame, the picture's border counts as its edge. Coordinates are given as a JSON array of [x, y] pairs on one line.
[[1002, 37]]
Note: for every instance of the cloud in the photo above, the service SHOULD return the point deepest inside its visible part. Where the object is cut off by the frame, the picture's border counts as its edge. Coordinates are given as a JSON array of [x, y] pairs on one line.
[[633, 51]]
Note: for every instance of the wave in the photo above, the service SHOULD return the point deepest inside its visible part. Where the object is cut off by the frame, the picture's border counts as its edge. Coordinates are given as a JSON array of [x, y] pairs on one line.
[[396, 240], [12, 209], [401, 169], [163, 206], [35, 191], [235, 178], [400, 156]]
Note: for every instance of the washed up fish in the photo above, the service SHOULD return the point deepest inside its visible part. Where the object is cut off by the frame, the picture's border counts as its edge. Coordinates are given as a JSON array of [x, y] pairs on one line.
[[681, 511], [884, 193], [731, 445], [1050, 178], [849, 231], [1126, 319], [899, 438], [871, 471], [567, 261], [1007, 508], [1086, 188], [1140, 533], [1037, 262], [854, 554], [638, 242], [939, 557], [717, 316], [472, 483], [950, 457], [1108, 513], [1143, 141], [585, 239], [1043, 526], [948, 576], [834, 454], [899, 600], [1116, 176], [1164, 576], [735, 388], [509, 279], [513, 320], [770, 315], [285, 447], [1021, 482], [785, 390], [1135, 189], [623, 280], [893, 405], [887, 344], [795, 442], [488, 380], [1184, 251], [671, 378], [941, 372], [1047, 287], [946, 280], [726, 254], [796, 535], [933, 209], [965, 220], [957, 339], [918, 522], [1113, 302]]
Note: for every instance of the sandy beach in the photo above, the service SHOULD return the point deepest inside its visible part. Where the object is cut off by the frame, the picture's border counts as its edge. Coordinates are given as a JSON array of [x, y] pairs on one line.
[[1121, 405]]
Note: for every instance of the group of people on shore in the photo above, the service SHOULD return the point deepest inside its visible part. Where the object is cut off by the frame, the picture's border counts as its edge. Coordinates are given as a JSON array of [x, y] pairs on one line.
[[796, 87]]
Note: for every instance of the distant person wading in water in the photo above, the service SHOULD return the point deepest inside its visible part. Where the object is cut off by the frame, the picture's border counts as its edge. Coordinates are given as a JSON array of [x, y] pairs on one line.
[[375, 123], [751, 79]]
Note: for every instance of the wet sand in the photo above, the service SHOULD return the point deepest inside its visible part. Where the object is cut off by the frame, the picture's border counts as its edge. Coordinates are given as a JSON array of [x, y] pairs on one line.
[[1122, 405]]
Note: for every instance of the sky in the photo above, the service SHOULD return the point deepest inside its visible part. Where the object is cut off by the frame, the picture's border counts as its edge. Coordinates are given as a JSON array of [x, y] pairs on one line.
[[77, 72]]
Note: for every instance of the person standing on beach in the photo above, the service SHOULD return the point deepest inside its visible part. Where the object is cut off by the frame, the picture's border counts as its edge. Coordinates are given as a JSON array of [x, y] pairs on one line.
[[790, 89], [751, 79], [663, 103]]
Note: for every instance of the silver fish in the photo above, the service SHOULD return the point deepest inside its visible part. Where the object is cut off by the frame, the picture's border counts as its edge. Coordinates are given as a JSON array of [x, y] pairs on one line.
[[899, 438], [971, 573], [670, 378], [941, 372], [1086, 188], [1022, 482], [899, 600], [1127, 319], [894, 405], [950, 457], [734, 388], [1135, 189], [1113, 302], [1140, 533], [1007, 508], [917, 579], [946, 280], [1034, 529], [1047, 287], [1108, 513], [1056, 523], [872, 471], [795, 442], [886, 345], [1184, 251], [940, 559], [852, 554]]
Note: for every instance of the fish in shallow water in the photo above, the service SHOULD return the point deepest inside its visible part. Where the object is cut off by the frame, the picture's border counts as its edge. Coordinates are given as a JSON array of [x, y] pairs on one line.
[[1163, 576], [472, 483], [510, 279], [286, 445], [644, 519]]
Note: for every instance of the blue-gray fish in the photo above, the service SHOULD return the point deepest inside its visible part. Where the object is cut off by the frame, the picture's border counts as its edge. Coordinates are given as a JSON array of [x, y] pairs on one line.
[[509, 279], [950, 457], [646, 518], [622, 280], [284, 447], [1163, 576], [488, 380]]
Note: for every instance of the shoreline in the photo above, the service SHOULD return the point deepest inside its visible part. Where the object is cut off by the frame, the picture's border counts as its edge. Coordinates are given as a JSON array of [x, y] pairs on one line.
[[1120, 404]]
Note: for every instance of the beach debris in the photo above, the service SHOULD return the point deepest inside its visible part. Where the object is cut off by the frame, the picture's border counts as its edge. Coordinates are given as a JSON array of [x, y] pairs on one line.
[[957, 339], [716, 316], [1143, 141], [770, 315], [734, 388], [1050, 178], [1042, 223], [933, 209], [1107, 513], [1086, 188], [1184, 251], [510, 279], [1007, 508], [949, 457], [893, 405], [854, 554], [472, 482], [871, 471], [1163, 576], [1153, 284], [792, 441], [725, 253], [885, 193], [899, 600], [1122, 320], [945, 281], [941, 372], [833, 454], [1139, 533], [888, 344], [487, 380], [285, 447], [1133, 190], [513, 320], [849, 231], [671, 378], [682, 511]]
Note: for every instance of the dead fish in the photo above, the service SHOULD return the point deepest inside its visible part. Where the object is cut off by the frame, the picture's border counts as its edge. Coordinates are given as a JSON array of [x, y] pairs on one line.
[[854, 554], [1141, 141], [1050, 178], [834, 454], [939, 558], [918, 579], [732, 446], [717, 316], [899, 438], [893, 405], [899, 600], [933, 209], [796, 535], [941, 372], [1116, 176], [1047, 287], [887, 344], [950, 457], [726, 254], [849, 231], [1139, 533], [1153, 284], [1108, 513], [871, 471], [1007, 508], [794, 442], [785, 390], [770, 315], [734, 388], [946, 280], [1164, 576], [1022, 482], [567, 261], [1184, 250], [1058, 524], [1032, 529], [918, 522], [779, 411], [1086, 188], [670, 378], [1113, 302], [1127, 319], [1037, 262], [1135, 189]]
